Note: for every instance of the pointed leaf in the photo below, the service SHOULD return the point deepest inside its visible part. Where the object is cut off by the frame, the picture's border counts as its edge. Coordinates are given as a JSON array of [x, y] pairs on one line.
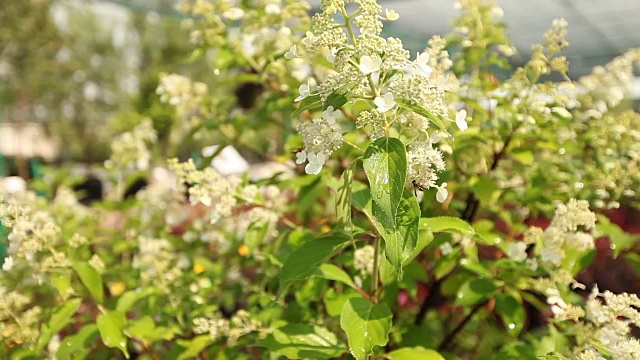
[[304, 261], [111, 326], [385, 164], [301, 341], [58, 321], [336, 100], [332, 272], [409, 105], [310, 103], [90, 278], [194, 346], [367, 325], [74, 345], [401, 241]]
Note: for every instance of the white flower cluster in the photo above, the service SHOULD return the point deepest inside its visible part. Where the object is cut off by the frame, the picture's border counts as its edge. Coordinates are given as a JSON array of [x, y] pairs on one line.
[[562, 235], [608, 321], [321, 137], [240, 324], [374, 69], [424, 162], [185, 95], [19, 320], [208, 188], [363, 259], [31, 232], [156, 260], [130, 150]]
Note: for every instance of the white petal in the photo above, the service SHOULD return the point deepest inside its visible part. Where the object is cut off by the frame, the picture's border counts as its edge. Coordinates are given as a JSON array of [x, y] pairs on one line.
[[391, 14], [461, 115], [422, 59], [301, 157], [292, 53], [313, 168], [442, 194], [462, 125], [321, 158]]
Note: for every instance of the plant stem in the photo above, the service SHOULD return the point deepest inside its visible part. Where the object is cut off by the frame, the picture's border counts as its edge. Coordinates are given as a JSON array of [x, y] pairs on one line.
[[452, 335], [376, 263]]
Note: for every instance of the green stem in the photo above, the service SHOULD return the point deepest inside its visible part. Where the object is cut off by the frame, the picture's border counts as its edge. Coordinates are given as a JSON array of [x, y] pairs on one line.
[[347, 24], [376, 264]]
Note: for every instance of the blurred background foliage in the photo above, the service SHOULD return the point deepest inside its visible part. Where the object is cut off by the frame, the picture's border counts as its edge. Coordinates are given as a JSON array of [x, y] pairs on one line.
[[88, 70]]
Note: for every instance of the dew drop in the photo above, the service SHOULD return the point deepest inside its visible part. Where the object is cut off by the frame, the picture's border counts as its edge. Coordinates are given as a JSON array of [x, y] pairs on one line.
[[512, 326], [68, 343]]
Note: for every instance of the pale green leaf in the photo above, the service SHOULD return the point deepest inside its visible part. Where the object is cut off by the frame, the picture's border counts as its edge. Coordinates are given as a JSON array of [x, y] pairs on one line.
[[57, 322], [301, 341], [414, 353], [332, 272], [366, 324], [111, 325], [90, 278]]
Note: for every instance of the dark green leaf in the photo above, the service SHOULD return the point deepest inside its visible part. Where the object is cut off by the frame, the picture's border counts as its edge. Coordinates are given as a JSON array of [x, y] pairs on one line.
[[475, 291], [385, 164], [311, 103], [336, 100], [512, 313], [304, 261]]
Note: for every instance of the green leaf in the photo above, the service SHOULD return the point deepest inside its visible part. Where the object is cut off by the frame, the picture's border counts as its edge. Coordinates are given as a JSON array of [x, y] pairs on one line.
[[75, 345], [475, 291], [385, 163], [450, 225], [523, 156], [57, 322], [146, 330], [126, 300], [62, 282], [512, 313], [620, 240], [111, 325], [334, 302], [336, 100], [90, 278], [366, 325], [332, 272], [414, 353], [343, 198], [194, 346], [311, 103], [401, 241], [486, 190], [304, 261], [301, 341], [409, 105]]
